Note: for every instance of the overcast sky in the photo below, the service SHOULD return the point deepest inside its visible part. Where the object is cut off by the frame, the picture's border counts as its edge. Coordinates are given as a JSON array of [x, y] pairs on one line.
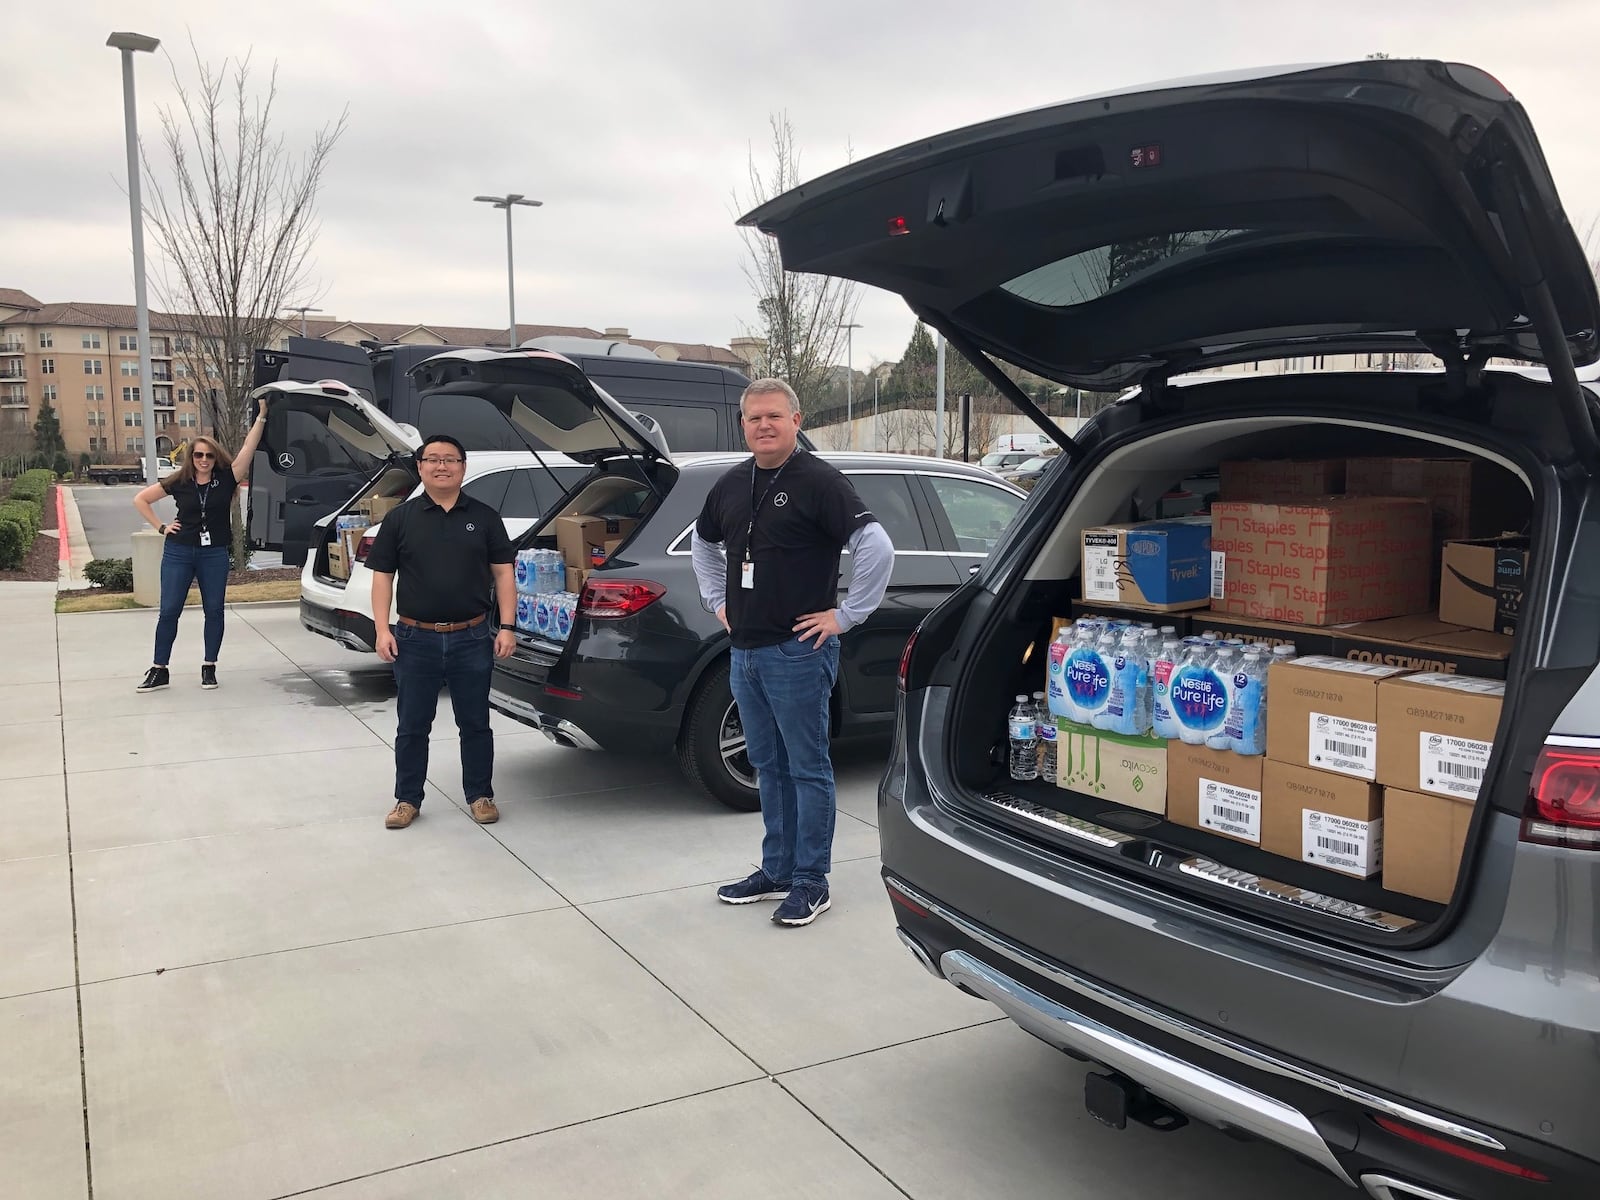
[[633, 120]]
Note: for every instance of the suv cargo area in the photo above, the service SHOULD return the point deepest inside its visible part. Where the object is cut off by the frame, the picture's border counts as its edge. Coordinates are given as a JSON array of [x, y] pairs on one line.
[[1157, 836]]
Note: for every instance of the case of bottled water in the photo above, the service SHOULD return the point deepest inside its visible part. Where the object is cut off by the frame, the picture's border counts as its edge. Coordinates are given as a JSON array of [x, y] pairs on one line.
[[1198, 696], [525, 612], [541, 615]]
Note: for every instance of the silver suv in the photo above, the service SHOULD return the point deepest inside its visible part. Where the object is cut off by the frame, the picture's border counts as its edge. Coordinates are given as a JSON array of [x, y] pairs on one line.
[[1383, 211]]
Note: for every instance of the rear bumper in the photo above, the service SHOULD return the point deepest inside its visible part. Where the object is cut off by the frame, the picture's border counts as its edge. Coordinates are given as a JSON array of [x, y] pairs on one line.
[[350, 629], [559, 730]]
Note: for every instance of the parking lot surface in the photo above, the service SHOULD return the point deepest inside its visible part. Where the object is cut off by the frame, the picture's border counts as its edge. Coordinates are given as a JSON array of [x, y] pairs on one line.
[[224, 978]]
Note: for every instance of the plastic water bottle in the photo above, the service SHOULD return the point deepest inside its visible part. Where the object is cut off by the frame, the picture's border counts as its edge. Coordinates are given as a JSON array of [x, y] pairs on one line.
[[1057, 702], [1130, 682], [523, 568], [1245, 724], [1023, 730], [1046, 725], [1162, 723], [566, 606], [1284, 653], [1197, 695], [1106, 713], [541, 614], [1224, 666]]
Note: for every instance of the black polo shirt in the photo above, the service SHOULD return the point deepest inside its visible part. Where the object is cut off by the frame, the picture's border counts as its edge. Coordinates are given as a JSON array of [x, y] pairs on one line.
[[442, 557], [208, 508]]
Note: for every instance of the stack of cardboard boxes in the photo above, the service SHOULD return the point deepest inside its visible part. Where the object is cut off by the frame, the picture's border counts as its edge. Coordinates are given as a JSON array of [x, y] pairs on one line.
[[351, 526], [586, 541]]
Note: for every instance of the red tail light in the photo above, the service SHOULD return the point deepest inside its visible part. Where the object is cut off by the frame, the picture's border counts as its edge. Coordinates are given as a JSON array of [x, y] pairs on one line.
[[1445, 1146], [905, 659], [1564, 799], [609, 599], [364, 547]]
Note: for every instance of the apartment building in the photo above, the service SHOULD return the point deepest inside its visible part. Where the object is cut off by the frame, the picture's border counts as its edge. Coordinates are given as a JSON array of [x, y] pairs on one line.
[[83, 358]]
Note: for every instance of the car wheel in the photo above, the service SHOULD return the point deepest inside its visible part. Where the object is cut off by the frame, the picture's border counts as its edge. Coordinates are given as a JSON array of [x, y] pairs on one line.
[[712, 749]]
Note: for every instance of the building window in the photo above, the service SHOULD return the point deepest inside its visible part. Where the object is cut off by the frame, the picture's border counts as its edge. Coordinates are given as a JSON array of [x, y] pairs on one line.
[[94, 393], [93, 366], [181, 370], [130, 395], [130, 369], [186, 395], [50, 392], [46, 339], [47, 366], [91, 341], [182, 344], [128, 341], [133, 420], [135, 445]]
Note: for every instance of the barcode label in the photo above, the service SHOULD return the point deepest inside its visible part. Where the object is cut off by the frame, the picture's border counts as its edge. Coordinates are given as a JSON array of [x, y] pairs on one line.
[[1451, 766], [1100, 573], [1342, 745], [1219, 574], [1235, 811], [1342, 844]]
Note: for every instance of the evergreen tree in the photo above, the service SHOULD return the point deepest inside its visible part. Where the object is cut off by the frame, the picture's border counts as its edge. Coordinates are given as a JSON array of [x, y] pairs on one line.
[[48, 443]]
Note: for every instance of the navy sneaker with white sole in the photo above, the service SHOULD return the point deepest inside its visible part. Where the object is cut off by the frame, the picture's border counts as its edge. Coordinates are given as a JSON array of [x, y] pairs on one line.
[[759, 886], [804, 904]]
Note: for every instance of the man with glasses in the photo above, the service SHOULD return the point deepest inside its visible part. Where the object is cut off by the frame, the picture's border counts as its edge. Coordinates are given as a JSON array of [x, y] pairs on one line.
[[454, 560]]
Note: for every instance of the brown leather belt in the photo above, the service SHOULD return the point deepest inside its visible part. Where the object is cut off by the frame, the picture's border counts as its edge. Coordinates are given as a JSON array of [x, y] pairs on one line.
[[445, 626]]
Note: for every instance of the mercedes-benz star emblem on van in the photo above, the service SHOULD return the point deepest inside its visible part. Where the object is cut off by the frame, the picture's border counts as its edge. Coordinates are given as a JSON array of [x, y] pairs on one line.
[[286, 460]]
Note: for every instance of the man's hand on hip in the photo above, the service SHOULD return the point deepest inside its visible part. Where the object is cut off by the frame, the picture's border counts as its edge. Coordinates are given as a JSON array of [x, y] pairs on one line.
[[820, 625], [386, 647], [505, 643], [722, 615]]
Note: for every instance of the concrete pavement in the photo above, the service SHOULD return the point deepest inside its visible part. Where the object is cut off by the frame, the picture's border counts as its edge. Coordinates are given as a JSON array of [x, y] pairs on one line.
[[224, 978]]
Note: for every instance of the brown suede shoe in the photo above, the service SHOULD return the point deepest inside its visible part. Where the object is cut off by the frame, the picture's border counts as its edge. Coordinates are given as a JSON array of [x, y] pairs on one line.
[[400, 816], [483, 811]]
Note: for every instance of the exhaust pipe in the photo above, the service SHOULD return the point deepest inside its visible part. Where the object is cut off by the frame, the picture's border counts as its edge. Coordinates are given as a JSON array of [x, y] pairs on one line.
[[918, 953], [1385, 1187]]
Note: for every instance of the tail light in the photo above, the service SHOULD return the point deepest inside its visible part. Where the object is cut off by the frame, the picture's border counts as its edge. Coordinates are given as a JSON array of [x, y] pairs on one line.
[[607, 600], [1564, 799], [364, 547], [1455, 1150], [905, 659]]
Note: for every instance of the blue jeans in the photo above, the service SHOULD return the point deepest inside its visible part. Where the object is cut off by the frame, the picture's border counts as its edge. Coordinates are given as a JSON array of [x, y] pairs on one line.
[[426, 661], [180, 566], [782, 692]]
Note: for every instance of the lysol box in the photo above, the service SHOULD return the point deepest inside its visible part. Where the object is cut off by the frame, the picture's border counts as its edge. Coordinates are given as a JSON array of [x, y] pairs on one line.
[[1324, 563], [1154, 565]]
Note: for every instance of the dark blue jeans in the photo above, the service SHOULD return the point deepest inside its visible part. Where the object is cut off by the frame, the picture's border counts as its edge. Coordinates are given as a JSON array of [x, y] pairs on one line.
[[426, 661], [180, 566], [782, 692]]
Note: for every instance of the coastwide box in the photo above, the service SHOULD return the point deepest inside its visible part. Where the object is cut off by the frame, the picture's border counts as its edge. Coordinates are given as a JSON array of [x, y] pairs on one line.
[[1155, 564], [1321, 819], [1438, 732], [1112, 766], [1280, 479], [1324, 563], [1322, 713], [1480, 583], [1215, 790], [1423, 840]]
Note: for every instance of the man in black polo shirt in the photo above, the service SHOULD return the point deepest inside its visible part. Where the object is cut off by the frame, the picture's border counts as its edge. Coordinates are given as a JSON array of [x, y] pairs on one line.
[[766, 558], [452, 555]]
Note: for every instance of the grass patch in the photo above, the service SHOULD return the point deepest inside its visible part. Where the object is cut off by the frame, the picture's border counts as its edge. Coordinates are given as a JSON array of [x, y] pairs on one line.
[[243, 593]]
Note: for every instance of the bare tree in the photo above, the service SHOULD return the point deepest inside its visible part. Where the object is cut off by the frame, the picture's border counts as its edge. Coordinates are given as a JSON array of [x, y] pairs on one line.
[[799, 316], [232, 210]]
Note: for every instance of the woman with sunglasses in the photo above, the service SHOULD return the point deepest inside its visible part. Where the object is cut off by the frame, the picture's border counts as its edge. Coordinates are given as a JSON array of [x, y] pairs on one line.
[[198, 543]]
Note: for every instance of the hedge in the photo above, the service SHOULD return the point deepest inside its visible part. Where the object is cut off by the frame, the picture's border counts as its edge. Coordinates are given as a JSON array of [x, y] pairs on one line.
[[26, 513], [14, 544], [22, 516], [113, 574], [32, 485]]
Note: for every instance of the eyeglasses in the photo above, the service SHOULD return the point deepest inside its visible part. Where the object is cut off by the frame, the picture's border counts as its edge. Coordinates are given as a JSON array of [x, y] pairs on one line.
[[203, 454], [443, 462]]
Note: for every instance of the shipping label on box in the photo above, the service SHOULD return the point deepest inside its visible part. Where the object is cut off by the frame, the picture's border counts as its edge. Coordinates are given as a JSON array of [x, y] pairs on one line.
[[1322, 712], [1215, 790], [1326, 820], [1156, 564], [1342, 843], [1113, 766], [1424, 838], [1327, 563], [1281, 479], [1438, 732], [1342, 745], [1480, 583]]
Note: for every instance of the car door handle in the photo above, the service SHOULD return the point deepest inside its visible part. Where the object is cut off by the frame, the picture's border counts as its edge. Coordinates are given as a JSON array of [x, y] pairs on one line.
[[974, 568]]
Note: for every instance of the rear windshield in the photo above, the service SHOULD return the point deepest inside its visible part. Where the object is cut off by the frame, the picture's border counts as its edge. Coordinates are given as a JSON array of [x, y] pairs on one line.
[[1091, 274]]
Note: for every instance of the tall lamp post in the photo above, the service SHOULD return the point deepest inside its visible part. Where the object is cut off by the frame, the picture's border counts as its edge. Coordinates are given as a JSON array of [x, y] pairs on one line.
[[509, 201], [849, 382], [302, 309], [127, 43]]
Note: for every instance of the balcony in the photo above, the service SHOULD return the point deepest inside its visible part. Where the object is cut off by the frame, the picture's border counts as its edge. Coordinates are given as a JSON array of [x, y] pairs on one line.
[[157, 375], [159, 348], [13, 401], [13, 371], [13, 347]]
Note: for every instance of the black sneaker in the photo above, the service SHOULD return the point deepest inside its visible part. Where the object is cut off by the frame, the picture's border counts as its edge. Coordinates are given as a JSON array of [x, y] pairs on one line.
[[154, 680], [804, 904], [208, 676], [759, 886]]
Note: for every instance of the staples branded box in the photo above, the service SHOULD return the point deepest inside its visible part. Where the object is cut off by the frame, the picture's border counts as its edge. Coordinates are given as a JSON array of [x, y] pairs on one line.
[[1323, 563], [1467, 497], [1154, 565]]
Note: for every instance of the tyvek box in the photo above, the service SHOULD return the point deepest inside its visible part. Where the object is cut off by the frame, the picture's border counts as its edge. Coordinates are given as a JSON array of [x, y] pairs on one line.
[[1154, 565]]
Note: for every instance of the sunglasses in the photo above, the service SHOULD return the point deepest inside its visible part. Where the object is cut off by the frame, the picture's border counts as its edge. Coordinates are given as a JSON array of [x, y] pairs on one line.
[[203, 454]]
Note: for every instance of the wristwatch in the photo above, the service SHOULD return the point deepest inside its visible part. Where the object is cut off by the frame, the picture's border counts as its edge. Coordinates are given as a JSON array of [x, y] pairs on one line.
[[161, 528]]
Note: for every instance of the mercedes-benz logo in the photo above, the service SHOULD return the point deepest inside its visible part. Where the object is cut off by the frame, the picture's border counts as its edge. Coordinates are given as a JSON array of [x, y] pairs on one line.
[[780, 500], [286, 460]]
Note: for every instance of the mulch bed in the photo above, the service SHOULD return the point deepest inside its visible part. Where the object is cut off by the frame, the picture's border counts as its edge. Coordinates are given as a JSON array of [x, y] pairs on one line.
[[270, 575], [43, 561]]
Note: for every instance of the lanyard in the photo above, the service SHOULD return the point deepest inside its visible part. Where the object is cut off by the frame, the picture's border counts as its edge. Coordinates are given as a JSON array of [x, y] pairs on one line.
[[755, 504], [204, 496]]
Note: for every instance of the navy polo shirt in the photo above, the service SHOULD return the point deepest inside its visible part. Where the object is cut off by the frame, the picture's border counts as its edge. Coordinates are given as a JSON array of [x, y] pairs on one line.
[[442, 557]]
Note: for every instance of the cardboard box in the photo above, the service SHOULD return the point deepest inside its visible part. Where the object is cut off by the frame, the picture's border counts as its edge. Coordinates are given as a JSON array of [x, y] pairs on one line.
[[1216, 791], [575, 579], [1281, 479], [1327, 563], [1307, 639], [350, 539], [1469, 497], [1424, 837], [379, 507], [1322, 713], [338, 560], [1128, 770], [1480, 583], [1321, 819], [1438, 732], [1156, 564], [1424, 643], [578, 537]]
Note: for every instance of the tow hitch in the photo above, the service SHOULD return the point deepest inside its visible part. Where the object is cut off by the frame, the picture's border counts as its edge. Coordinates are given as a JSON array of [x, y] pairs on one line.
[[1115, 1100]]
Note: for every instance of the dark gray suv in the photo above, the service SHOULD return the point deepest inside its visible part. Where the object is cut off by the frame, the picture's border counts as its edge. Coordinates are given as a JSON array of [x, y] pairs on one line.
[[1383, 208]]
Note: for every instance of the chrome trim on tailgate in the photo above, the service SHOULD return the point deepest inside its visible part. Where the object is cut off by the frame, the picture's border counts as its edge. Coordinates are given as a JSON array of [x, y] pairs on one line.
[[1192, 1091], [1206, 1039]]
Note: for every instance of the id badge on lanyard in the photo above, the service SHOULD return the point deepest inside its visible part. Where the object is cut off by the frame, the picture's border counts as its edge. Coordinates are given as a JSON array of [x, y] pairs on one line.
[[205, 534], [747, 569]]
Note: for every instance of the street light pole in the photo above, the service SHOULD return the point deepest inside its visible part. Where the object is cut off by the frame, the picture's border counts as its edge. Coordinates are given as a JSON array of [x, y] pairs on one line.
[[849, 383], [128, 43], [507, 202], [302, 309]]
